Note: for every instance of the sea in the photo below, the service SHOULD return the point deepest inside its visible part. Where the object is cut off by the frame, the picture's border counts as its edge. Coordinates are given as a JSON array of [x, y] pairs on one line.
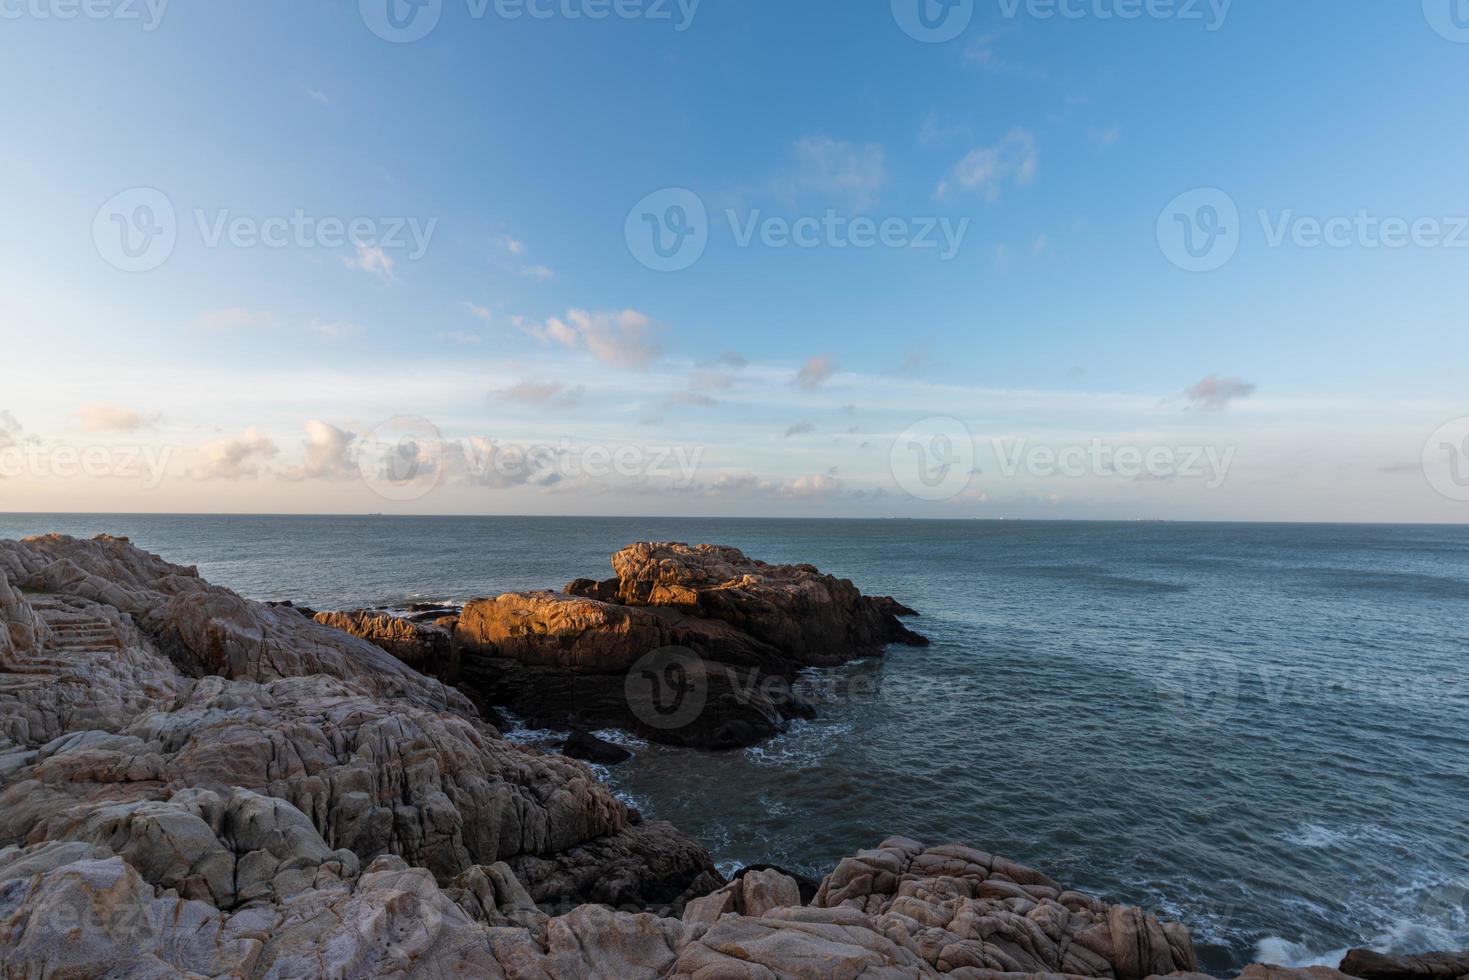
[[1259, 729]]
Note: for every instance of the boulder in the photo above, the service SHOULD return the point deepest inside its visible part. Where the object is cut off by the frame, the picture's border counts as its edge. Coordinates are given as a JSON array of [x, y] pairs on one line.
[[584, 745]]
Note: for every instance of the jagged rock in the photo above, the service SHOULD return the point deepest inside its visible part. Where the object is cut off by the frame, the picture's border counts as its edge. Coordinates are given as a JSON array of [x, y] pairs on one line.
[[426, 649], [104, 740], [812, 618], [584, 745]]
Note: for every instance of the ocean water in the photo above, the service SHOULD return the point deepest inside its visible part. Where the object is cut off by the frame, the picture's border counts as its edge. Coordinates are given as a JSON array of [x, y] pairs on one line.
[[1262, 730]]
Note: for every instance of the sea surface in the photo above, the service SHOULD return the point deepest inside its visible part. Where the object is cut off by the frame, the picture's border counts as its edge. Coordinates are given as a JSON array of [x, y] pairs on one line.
[[1260, 729]]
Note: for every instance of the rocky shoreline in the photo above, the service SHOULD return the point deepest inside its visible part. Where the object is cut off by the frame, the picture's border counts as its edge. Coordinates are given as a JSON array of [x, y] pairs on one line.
[[195, 784]]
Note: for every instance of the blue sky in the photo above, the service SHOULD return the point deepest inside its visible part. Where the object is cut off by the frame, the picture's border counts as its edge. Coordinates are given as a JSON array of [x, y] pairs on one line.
[[259, 377]]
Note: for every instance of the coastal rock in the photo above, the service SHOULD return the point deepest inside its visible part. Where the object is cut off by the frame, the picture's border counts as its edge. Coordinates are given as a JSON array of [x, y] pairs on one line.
[[150, 729], [426, 649], [82, 911], [739, 630], [561, 661], [589, 748], [811, 618], [1370, 965]]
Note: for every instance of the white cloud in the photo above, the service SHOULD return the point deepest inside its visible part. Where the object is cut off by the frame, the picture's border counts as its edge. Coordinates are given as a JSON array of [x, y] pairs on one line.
[[511, 245], [987, 169], [237, 458], [552, 393], [800, 429], [97, 417], [234, 318], [815, 372], [621, 340], [538, 272], [1105, 137], [317, 96], [326, 453], [835, 168], [1215, 393], [479, 312], [372, 259]]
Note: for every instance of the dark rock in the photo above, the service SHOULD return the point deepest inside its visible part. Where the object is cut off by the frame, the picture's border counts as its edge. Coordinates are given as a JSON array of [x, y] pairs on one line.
[[1424, 966], [582, 744]]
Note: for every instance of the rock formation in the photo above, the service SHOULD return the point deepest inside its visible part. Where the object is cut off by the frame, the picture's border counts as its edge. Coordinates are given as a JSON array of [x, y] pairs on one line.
[[192, 784], [137, 702]]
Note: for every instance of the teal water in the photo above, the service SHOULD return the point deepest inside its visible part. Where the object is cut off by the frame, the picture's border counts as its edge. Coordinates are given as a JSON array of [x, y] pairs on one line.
[[1261, 729]]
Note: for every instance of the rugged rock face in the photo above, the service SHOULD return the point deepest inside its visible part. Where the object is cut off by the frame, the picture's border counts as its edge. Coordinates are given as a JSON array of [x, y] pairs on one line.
[[812, 618], [148, 712], [83, 908], [427, 649], [741, 631]]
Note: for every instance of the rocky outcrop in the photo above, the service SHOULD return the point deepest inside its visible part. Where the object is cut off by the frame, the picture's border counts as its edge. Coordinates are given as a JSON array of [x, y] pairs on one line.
[[427, 649], [811, 618], [729, 632], [238, 884], [144, 710]]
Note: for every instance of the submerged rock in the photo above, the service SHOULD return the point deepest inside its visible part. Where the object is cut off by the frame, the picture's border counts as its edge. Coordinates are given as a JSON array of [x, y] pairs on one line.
[[589, 748]]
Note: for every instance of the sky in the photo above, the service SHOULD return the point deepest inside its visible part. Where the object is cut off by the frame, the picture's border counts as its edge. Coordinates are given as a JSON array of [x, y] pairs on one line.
[[1119, 259]]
